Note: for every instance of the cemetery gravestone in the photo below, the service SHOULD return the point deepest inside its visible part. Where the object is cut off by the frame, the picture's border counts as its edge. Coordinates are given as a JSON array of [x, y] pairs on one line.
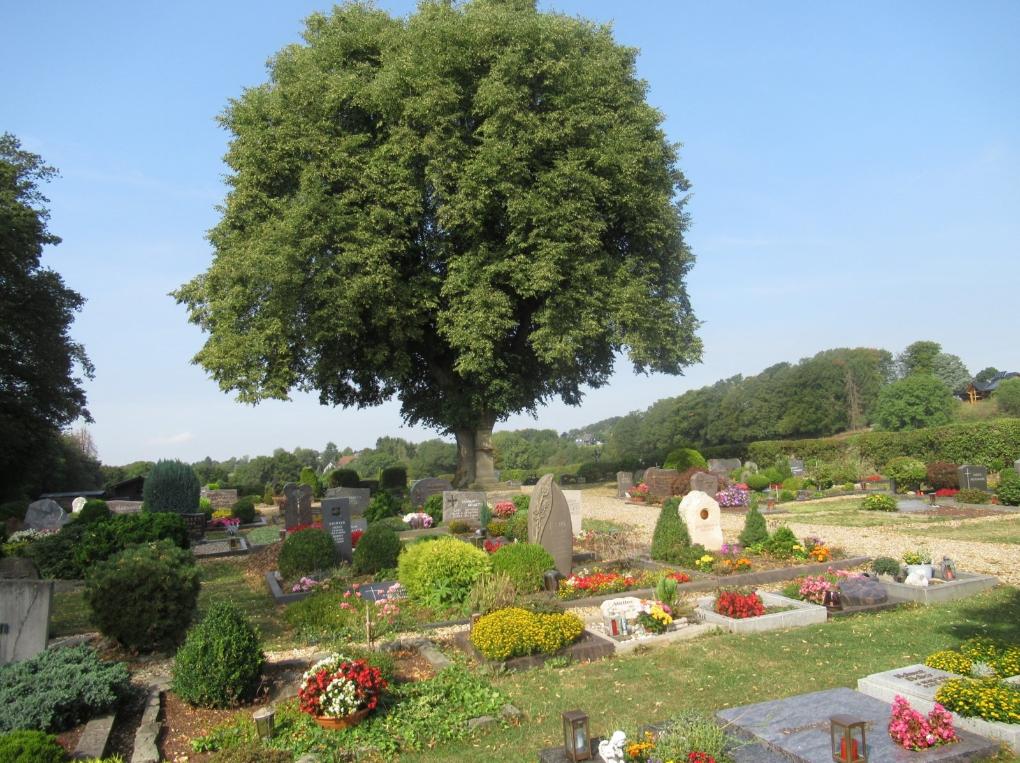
[[796, 467], [662, 483], [298, 509], [45, 515], [574, 504], [700, 512], [24, 618], [549, 523], [336, 520], [359, 497], [463, 505], [359, 523], [1016, 466], [78, 504], [422, 490], [220, 499], [723, 465], [973, 477], [625, 481], [705, 482], [860, 592], [18, 568]]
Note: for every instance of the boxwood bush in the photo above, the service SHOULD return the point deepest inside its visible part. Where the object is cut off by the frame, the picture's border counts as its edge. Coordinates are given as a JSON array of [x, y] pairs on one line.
[[145, 596], [244, 509], [1008, 491], [517, 526], [306, 551], [94, 510], [441, 572], [524, 563], [171, 486], [30, 747], [514, 632], [684, 458], [377, 550], [221, 660], [879, 502], [58, 689], [670, 540]]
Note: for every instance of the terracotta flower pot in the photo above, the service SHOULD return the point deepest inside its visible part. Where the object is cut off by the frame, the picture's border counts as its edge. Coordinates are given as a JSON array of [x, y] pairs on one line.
[[348, 721], [638, 498]]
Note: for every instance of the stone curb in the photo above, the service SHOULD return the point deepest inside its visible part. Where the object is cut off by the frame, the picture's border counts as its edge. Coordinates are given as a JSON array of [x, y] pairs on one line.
[[94, 739], [146, 749]]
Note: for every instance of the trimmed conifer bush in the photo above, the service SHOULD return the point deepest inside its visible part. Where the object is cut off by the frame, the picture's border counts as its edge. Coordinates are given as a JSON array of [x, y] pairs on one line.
[[524, 563], [755, 530], [244, 509], [344, 478], [30, 747], [172, 486], [393, 478], [377, 550], [94, 510], [670, 539]]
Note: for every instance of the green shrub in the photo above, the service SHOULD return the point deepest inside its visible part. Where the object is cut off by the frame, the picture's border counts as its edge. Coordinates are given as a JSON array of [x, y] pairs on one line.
[[496, 528], [205, 506], [786, 495], [221, 660], [145, 596], [94, 510], [433, 506], [920, 400], [306, 551], [310, 478], [514, 631], [517, 526], [793, 484], [1008, 491], [522, 502], [491, 592], [691, 732], [377, 550], [344, 478], [684, 458], [441, 572], [757, 482], [525, 564], [886, 565], [908, 472], [973, 495], [251, 752], [878, 502], [755, 530], [13, 510], [1007, 396], [171, 486], [943, 474], [459, 527], [382, 505], [670, 539], [54, 554], [780, 544], [58, 689], [30, 747], [393, 478], [244, 509], [267, 495]]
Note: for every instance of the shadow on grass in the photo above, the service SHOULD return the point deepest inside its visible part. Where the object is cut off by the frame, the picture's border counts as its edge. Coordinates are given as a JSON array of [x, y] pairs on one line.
[[1001, 622]]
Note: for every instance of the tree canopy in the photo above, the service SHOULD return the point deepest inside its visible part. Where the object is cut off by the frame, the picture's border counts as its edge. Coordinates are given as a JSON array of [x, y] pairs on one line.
[[919, 400], [473, 209]]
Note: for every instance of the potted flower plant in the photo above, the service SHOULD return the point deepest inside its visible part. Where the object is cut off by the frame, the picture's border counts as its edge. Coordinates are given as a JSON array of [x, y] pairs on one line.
[[639, 492], [919, 561], [339, 693]]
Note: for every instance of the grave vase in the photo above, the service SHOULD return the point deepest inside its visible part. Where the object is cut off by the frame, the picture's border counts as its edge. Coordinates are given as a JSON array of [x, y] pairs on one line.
[[927, 570]]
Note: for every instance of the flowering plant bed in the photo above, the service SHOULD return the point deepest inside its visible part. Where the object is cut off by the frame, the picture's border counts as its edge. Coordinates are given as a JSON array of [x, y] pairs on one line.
[[739, 604], [912, 731], [584, 583], [754, 615], [504, 509], [337, 687]]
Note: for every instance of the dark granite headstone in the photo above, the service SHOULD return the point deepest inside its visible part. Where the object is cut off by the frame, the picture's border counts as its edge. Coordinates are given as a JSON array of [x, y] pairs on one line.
[[359, 497], [861, 592], [46, 515], [336, 520], [464, 506], [624, 482], [195, 522], [796, 467], [723, 465], [298, 510], [662, 483], [706, 482], [973, 477], [18, 568], [423, 489], [549, 522]]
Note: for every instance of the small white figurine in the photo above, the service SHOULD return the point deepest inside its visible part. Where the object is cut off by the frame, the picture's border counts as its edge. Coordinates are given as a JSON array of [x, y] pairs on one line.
[[916, 578], [611, 750]]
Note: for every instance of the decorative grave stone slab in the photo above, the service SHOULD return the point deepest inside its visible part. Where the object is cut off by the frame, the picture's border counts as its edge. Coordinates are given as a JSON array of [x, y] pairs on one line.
[[359, 497], [195, 522], [798, 728], [78, 504], [24, 618], [700, 512], [862, 592], [662, 483], [424, 489], [124, 507], [937, 592], [973, 477], [625, 481], [1016, 466], [45, 515], [298, 509], [796, 467], [802, 613], [919, 683], [723, 465], [463, 505], [549, 523], [706, 482], [574, 505], [336, 520], [18, 568], [220, 499]]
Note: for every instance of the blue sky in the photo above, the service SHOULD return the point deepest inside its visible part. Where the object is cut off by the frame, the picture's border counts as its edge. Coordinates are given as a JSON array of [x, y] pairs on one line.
[[855, 170]]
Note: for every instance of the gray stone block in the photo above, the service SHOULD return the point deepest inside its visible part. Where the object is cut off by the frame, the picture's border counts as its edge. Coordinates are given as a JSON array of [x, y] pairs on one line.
[[966, 584], [24, 618], [481, 722]]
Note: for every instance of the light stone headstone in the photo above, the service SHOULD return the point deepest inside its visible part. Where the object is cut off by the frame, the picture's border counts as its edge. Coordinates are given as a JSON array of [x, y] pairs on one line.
[[1016, 466], [424, 489], [359, 497], [796, 467], [464, 506], [24, 618], [549, 523], [359, 523], [706, 482], [298, 510], [624, 482], [45, 515], [973, 477], [574, 504], [336, 520], [78, 504], [700, 513], [224, 498]]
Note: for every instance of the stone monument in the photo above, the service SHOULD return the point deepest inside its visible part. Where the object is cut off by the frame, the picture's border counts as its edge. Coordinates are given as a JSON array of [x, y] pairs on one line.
[[298, 510], [1016, 465], [463, 505], [424, 489], [796, 467], [973, 477], [336, 520], [45, 515], [662, 483], [549, 523], [706, 482], [574, 504], [625, 481], [701, 514], [359, 497], [78, 504], [723, 465], [24, 618]]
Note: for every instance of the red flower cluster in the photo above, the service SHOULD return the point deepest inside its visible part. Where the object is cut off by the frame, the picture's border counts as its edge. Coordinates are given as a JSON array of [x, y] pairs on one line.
[[504, 509], [946, 492], [493, 545], [739, 605], [679, 577], [355, 537], [873, 478], [700, 757], [610, 581], [299, 528], [368, 681]]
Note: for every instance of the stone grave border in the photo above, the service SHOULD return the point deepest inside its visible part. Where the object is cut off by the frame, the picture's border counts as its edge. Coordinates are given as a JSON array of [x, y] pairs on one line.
[[94, 739], [590, 647], [241, 551], [685, 632], [966, 584], [803, 614]]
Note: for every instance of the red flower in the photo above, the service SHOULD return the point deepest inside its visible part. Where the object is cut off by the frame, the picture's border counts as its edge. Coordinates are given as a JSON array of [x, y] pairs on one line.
[[739, 605], [355, 537]]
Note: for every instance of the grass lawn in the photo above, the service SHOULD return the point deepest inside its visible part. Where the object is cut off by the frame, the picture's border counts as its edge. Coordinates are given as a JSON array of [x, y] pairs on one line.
[[724, 670], [847, 513], [1002, 531], [604, 525]]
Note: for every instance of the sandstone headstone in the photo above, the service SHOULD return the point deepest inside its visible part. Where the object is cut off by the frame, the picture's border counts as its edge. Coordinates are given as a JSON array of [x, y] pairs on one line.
[[298, 509], [625, 481], [574, 504], [359, 497], [423, 489], [723, 465], [78, 504], [705, 482], [24, 618], [549, 523], [18, 568], [220, 499], [336, 520], [1016, 466], [662, 483], [973, 477], [463, 505], [124, 507], [796, 467], [857, 592], [701, 514], [45, 515], [751, 466]]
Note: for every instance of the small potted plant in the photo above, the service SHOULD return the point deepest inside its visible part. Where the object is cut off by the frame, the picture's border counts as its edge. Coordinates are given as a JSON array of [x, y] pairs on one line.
[[639, 493], [339, 693], [919, 561]]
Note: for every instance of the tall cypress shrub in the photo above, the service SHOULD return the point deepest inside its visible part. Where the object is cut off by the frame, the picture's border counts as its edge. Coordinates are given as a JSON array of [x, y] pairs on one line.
[[670, 540], [755, 530], [172, 486]]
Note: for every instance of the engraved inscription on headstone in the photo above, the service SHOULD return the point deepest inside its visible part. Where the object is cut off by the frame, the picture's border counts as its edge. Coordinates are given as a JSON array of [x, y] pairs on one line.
[[973, 477], [463, 505], [359, 497], [705, 482], [549, 523], [624, 482], [336, 520], [662, 483]]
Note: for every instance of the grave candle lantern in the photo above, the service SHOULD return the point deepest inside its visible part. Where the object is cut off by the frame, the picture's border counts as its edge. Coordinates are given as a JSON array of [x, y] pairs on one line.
[[264, 722], [848, 739], [576, 739]]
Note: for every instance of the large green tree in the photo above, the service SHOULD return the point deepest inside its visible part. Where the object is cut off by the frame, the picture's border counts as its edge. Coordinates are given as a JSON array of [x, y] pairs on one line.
[[473, 209], [920, 400], [40, 391]]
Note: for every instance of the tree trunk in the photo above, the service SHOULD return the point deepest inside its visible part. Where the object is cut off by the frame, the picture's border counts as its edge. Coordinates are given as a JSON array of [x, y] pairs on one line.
[[475, 457], [465, 474]]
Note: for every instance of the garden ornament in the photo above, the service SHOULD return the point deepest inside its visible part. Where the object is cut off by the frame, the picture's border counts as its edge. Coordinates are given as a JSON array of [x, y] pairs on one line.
[[611, 750]]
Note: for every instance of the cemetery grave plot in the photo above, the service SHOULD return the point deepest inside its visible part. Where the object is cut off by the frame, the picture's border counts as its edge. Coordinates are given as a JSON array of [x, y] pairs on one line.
[[779, 612]]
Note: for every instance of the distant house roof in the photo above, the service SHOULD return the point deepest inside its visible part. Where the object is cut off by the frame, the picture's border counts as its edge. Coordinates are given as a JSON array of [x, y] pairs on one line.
[[74, 494], [992, 384], [344, 460]]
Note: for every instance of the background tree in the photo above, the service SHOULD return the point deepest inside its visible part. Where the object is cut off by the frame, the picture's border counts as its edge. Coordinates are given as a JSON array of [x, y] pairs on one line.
[[918, 358], [1007, 396], [433, 457], [986, 374], [919, 400], [473, 209], [951, 371], [40, 393]]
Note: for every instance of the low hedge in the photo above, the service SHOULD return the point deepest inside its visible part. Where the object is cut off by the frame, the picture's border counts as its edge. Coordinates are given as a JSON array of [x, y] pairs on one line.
[[524, 563], [306, 551]]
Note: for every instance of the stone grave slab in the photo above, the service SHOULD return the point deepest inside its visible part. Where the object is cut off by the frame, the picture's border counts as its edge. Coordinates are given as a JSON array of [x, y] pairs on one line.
[[124, 507], [336, 520], [424, 489], [796, 467], [24, 618], [798, 728], [939, 591], [723, 465], [912, 505], [802, 613], [549, 523], [973, 477], [18, 568], [45, 514], [463, 505], [919, 683], [700, 512], [625, 481], [379, 591], [662, 483], [706, 482], [574, 505], [359, 497]]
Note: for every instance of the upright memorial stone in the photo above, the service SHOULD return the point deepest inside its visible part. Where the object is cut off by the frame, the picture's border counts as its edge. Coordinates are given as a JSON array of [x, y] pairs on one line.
[[701, 514], [796, 467], [973, 477], [359, 497], [1016, 465], [78, 504], [662, 483], [45, 515], [625, 481], [463, 505], [24, 618], [298, 509], [424, 489], [574, 504], [336, 520], [723, 465], [705, 482], [549, 523]]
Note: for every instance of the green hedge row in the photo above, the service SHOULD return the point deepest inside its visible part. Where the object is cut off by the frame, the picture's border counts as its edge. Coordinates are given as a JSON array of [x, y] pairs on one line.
[[990, 443]]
